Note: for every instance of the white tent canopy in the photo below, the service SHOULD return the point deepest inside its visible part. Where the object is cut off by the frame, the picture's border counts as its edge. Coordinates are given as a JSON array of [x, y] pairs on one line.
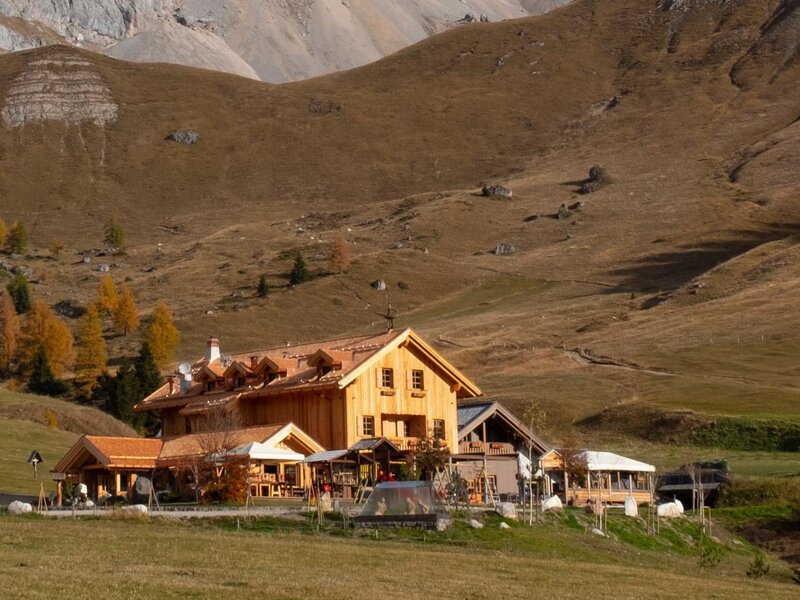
[[608, 461], [259, 451]]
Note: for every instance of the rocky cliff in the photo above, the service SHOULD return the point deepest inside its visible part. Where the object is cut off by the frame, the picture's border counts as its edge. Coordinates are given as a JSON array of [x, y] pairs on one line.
[[275, 41]]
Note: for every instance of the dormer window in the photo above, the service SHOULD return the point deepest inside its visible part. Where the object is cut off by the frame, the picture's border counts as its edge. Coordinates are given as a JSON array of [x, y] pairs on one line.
[[324, 370], [240, 381]]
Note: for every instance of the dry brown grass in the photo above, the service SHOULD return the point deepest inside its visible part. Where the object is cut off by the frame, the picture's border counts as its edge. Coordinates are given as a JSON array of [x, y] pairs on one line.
[[85, 559], [417, 134]]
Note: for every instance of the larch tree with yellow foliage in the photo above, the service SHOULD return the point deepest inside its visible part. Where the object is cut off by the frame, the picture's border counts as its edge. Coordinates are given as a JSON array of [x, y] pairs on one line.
[[92, 357], [107, 296], [126, 316], [43, 331], [9, 328], [161, 335]]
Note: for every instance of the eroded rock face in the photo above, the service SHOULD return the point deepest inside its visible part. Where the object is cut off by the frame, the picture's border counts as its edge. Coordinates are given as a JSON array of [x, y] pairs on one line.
[[61, 86]]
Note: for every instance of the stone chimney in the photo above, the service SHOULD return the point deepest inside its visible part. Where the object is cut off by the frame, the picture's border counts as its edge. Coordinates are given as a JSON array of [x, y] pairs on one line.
[[253, 362], [212, 349], [173, 383]]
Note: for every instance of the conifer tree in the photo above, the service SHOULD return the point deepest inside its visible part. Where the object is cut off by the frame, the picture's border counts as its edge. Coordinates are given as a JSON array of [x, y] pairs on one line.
[[125, 395], [147, 372], [107, 295], [17, 240], [9, 328], [19, 293], [42, 381], [91, 356], [126, 317], [41, 329], [299, 273], [161, 335], [114, 235], [263, 288], [340, 255]]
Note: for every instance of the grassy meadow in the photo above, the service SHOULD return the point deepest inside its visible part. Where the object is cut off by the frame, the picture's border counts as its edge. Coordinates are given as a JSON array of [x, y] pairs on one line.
[[272, 558]]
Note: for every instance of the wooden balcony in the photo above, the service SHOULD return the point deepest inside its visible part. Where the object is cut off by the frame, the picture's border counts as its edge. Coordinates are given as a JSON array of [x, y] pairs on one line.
[[487, 448], [409, 443]]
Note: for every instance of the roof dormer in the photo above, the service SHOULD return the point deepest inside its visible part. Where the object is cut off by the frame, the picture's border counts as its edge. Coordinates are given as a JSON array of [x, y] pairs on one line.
[[271, 368], [325, 361]]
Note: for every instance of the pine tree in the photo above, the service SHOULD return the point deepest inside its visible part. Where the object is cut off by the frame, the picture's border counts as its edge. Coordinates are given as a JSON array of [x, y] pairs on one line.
[[42, 381], [263, 288], [9, 328], [114, 235], [91, 352], [299, 272], [41, 329], [147, 372], [340, 255], [161, 335], [107, 295], [17, 240], [126, 317], [19, 293], [125, 395]]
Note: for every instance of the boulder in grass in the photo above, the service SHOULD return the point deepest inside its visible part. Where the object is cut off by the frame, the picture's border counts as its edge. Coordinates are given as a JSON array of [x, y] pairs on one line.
[[184, 136], [552, 503], [475, 524], [507, 510], [19, 508], [599, 532], [504, 525], [496, 191], [378, 284], [504, 249]]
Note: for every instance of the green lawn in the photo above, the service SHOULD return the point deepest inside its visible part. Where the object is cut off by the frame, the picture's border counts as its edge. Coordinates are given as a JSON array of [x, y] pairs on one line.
[[275, 559], [17, 440]]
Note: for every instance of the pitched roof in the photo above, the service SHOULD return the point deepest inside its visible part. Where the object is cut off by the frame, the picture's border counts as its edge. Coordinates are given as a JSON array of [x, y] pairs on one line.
[[472, 414], [354, 354], [112, 452], [201, 444]]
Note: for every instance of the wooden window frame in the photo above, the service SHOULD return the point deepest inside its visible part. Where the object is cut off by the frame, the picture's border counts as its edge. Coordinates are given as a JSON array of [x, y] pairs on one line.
[[417, 380], [368, 419], [387, 375], [436, 423]]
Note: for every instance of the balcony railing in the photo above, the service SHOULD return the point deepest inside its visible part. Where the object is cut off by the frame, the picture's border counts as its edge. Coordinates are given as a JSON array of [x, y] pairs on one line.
[[488, 448], [410, 443]]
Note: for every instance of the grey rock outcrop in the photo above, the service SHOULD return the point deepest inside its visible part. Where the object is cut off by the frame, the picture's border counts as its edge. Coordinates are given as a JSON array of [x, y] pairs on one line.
[[496, 191], [184, 136], [378, 284], [504, 249], [598, 178], [59, 86]]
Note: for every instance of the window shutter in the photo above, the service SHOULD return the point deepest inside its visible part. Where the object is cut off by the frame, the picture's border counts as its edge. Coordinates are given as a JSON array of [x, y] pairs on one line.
[[379, 377], [410, 379]]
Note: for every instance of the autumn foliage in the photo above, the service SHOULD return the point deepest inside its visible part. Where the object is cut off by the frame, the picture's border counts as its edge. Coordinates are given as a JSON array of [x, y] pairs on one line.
[[9, 328], [126, 316], [161, 334], [91, 351], [43, 329]]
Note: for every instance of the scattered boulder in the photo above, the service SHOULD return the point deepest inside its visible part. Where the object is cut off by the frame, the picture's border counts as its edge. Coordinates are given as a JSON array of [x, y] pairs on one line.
[[26, 272], [552, 503], [89, 504], [19, 508], [671, 510], [484, 18], [504, 249], [378, 284], [504, 525], [631, 507], [597, 531], [475, 524], [507, 510], [86, 259], [325, 503], [103, 268], [69, 308], [563, 212], [137, 508], [598, 178], [496, 191], [184, 136]]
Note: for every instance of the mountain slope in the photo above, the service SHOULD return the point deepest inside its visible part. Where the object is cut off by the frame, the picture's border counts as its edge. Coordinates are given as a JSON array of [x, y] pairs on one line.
[[274, 41], [683, 270]]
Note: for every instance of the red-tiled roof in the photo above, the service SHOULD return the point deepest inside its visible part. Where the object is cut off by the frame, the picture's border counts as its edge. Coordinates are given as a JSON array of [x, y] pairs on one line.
[[201, 444], [125, 451]]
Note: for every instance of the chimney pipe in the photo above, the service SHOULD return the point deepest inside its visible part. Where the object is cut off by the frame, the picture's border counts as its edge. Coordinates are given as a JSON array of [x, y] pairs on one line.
[[253, 362], [212, 350]]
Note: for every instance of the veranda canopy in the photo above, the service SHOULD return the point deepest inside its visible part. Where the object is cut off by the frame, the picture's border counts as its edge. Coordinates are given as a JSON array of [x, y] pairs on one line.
[[608, 461]]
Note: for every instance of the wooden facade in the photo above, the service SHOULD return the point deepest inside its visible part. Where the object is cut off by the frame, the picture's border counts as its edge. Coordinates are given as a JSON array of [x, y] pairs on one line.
[[389, 385]]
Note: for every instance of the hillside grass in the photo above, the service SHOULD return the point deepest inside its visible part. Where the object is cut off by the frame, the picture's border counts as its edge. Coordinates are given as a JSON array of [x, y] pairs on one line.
[[29, 422], [274, 558]]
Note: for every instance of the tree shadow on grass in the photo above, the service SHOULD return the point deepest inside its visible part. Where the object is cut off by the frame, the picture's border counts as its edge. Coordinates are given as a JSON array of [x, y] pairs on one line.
[[667, 271]]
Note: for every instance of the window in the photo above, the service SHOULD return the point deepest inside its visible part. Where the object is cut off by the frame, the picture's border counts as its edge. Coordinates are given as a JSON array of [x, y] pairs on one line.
[[438, 429], [417, 379], [209, 386], [387, 378], [368, 426], [240, 381], [402, 429]]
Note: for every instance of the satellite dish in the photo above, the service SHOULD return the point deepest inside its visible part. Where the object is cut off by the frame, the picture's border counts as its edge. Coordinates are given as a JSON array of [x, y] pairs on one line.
[[184, 368]]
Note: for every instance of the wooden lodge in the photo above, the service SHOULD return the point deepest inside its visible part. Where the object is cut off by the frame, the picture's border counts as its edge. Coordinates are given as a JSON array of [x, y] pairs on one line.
[[493, 447], [609, 479], [390, 385], [110, 466]]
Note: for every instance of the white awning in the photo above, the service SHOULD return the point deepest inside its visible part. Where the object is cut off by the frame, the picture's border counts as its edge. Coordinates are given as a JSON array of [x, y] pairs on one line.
[[608, 461], [259, 451]]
